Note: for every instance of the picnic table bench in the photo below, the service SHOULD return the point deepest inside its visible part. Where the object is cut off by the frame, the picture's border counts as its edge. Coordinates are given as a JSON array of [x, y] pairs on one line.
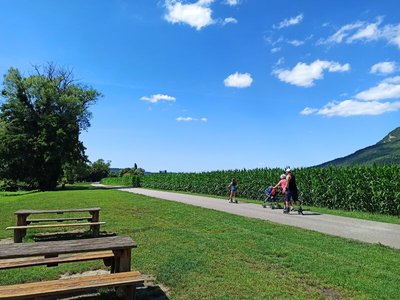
[[23, 223], [54, 252]]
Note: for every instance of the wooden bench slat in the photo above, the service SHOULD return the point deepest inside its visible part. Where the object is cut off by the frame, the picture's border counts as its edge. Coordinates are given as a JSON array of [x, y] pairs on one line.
[[39, 261], [58, 219], [55, 225], [53, 287], [54, 211], [19, 250]]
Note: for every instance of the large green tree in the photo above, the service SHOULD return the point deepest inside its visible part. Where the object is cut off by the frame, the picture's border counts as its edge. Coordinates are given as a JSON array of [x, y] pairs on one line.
[[41, 118], [99, 169]]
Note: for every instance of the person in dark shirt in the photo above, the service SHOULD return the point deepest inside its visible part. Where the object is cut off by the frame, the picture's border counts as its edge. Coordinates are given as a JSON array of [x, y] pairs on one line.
[[291, 190]]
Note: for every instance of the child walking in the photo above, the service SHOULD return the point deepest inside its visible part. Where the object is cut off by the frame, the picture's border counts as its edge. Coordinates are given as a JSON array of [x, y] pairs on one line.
[[233, 190]]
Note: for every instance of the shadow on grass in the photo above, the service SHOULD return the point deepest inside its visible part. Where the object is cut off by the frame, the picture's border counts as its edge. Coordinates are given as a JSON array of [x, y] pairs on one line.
[[78, 187], [21, 193], [45, 237], [142, 293], [81, 187]]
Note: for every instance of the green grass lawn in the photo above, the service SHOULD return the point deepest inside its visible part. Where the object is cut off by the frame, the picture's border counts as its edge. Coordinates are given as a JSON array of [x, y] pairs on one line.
[[204, 254]]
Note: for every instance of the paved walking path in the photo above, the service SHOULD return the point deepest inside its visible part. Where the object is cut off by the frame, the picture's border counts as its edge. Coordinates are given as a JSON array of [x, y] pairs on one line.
[[356, 229]]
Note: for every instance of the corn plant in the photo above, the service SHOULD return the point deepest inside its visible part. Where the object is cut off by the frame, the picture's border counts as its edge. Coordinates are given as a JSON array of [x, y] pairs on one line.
[[364, 188]]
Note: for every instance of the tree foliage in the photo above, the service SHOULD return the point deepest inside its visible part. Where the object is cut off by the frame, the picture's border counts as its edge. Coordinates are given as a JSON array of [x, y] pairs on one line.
[[99, 169], [40, 122]]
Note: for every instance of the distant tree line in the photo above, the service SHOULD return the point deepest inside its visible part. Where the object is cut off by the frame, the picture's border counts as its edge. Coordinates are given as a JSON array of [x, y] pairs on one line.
[[96, 171], [135, 170]]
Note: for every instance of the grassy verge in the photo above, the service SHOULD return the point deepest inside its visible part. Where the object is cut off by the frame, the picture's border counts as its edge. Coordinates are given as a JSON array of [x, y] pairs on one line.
[[205, 254]]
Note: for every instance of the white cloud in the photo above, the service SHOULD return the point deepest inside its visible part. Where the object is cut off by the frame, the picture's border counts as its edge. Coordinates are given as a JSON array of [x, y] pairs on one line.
[[364, 31], [229, 20], [232, 2], [295, 43], [196, 15], [349, 108], [157, 98], [275, 49], [289, 22], [238, 80], [365, 103], [304, 75], [387, 89], [190, 119], [385, 67], [279, 62], [308, 111], [392, 34]]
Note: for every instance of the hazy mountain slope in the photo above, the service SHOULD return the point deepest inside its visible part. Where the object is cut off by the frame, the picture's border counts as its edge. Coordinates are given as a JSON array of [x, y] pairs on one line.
[[385, 151]]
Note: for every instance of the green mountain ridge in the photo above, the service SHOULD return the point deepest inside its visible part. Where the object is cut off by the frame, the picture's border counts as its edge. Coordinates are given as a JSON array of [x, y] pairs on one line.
[[386, 151]]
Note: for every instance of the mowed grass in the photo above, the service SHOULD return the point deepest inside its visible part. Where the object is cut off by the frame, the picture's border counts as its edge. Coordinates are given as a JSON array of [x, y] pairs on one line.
[[204, 254]]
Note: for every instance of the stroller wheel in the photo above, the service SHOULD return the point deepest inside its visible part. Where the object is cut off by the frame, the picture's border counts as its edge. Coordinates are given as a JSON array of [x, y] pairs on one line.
[[264, 206]]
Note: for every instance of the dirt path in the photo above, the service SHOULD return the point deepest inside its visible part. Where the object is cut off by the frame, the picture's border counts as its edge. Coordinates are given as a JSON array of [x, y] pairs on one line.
[[356, 229]]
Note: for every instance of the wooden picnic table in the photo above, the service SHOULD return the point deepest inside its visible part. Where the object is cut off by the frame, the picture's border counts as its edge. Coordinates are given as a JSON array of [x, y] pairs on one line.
[[121, 276], [120, 245], [23, 222]]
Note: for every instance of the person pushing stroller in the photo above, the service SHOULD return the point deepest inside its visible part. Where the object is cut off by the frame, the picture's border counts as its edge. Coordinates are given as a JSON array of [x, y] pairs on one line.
[[291, 192]]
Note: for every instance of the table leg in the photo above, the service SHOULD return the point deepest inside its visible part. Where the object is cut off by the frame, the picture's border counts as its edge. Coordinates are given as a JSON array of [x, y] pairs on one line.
[[130, 293], [49, 256], [95, 228], [122, 260], [20, 233]]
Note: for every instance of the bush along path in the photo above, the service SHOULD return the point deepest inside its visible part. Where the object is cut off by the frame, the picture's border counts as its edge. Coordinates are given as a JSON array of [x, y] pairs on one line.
[[356, 229]]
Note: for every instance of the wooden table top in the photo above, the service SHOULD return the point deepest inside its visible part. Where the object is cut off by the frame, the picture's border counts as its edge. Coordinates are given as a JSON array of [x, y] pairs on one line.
[[54, 211], [17, 250]]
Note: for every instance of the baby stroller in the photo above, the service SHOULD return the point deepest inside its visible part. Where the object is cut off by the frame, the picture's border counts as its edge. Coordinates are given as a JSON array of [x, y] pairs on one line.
[[271, 197]]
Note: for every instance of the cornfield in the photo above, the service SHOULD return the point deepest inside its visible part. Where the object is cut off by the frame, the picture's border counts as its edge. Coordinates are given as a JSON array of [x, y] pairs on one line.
[[373, 189]]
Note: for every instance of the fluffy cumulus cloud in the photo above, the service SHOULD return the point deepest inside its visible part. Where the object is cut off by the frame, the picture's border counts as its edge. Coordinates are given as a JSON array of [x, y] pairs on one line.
[[386, 89], [385, 67], [289, 22], [367, 102], [304, 75], [197, 15], [190, 119], [157, 98], [238, 80], [365, 32]]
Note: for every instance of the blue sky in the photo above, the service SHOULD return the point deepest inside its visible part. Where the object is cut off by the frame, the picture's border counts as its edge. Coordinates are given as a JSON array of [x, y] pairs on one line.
[[224, 84]]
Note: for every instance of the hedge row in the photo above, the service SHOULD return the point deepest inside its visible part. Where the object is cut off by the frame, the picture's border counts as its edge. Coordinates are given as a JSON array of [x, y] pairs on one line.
[[131, 181], [373, 189]]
